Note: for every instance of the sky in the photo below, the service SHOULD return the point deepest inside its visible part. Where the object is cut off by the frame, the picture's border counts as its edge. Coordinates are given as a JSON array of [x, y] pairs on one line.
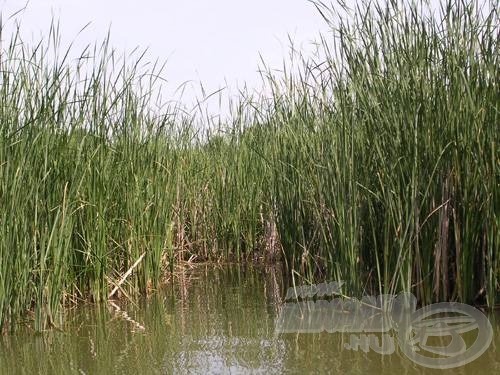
[[215, 42]]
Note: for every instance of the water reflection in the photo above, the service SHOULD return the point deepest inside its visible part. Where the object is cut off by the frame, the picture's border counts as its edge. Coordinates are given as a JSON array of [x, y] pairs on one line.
[[209, 320]]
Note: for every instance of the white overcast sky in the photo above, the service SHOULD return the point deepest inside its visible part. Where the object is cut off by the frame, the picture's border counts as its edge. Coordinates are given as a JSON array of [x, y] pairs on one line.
[[215, 42], [208, 41]]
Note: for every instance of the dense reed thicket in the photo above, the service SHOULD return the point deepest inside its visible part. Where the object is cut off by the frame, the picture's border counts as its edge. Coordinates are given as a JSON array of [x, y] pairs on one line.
[[376, 163]]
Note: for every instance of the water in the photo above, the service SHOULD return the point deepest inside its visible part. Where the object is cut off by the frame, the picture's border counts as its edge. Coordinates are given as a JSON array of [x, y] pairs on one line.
[[210, 320]]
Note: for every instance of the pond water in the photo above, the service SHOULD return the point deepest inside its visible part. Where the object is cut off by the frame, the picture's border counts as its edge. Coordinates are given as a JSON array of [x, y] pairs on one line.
[[210, 320]]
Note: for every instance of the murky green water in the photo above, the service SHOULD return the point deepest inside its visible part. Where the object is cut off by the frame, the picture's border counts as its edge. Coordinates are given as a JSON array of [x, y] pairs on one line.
[[211, 321]]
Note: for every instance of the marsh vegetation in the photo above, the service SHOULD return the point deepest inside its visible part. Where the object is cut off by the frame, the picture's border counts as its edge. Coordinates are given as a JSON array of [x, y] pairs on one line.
[[375, 163]]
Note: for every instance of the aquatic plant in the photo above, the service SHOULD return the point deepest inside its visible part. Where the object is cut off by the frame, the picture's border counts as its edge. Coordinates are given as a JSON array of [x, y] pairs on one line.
[[375, 163]]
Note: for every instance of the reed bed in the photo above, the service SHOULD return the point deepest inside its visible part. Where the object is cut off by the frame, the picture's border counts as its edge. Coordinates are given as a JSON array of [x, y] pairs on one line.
[[375, 163]]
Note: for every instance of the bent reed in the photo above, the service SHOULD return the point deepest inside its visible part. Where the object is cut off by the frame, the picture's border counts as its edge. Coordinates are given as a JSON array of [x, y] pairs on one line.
[[375, 163]]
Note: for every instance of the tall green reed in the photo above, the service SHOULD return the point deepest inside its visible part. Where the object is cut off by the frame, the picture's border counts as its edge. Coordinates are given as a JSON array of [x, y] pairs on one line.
[[375, 162], [387, 151]]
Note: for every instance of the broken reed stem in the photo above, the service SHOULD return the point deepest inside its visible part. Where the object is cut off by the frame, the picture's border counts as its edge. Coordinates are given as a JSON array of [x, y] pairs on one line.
[[124, 277]]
